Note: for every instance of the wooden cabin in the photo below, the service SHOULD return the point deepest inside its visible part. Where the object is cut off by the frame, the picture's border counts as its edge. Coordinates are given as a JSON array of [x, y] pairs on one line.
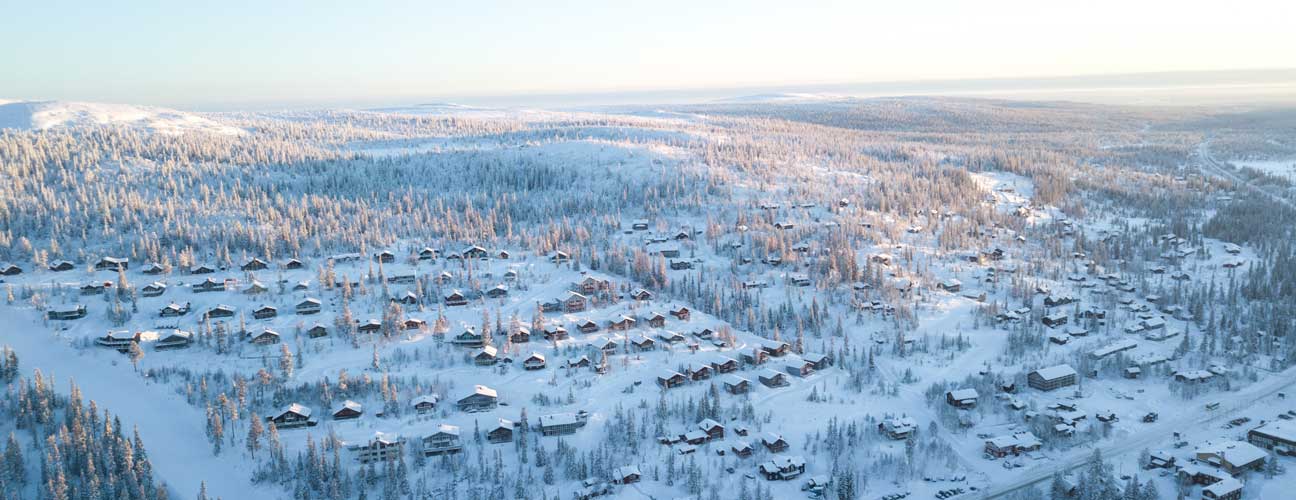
[[309, 306], [256, 264], [265, 337], [456, 298], [348, 410], [501, 433], [77, 311], [317, 330], [668, 379], [575, 302], [444, 441], [265, 312], [482, 399], [293, 415], [174, 310]]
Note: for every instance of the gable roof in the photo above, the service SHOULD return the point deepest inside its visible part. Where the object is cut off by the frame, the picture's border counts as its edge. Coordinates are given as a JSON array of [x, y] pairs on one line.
[[297, 408]]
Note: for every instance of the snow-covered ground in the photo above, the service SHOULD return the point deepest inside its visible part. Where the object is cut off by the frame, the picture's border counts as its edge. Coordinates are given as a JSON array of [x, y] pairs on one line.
[[45, 115], [909, 301], [1277, 168]]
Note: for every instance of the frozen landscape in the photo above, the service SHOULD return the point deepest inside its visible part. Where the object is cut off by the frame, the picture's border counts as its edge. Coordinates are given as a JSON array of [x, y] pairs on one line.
[[772, 296]]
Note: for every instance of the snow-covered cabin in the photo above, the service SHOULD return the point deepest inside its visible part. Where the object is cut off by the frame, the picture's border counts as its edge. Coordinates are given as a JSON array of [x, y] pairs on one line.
[[173, 339], [264, 337], [535, 361], [736, 385], [774, 442], [66, 312], [482, 399], [445, 440], [668, 379], [425, 403], [309, 305], [293, 415], [502, 432], [488, 355], [962, 398], [174, 310], [153, 289], [348, 410]]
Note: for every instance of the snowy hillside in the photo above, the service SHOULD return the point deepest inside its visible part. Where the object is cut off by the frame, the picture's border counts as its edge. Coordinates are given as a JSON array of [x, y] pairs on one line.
[[782, 97], [46, 115], [770, 298]]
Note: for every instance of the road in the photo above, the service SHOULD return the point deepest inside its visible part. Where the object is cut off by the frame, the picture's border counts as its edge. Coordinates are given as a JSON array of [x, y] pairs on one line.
[[1231, 405], [1162, 431], [1209, 164]]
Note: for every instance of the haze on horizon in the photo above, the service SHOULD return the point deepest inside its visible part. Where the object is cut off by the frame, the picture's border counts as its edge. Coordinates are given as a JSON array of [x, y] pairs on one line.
[[295, 53]]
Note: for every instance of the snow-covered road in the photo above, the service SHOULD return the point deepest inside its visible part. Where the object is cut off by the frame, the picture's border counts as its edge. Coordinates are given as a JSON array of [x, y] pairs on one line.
[[1232, 405]]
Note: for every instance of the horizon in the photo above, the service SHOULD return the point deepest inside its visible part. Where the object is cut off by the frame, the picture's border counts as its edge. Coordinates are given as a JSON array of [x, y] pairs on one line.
[[1185, 88], [292, 54]]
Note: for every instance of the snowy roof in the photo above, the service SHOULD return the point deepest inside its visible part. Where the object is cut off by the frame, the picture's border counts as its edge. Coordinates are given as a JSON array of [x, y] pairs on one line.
[[119, 335], [452, 430], [1194, 374], [426, 398], [786, 461], [386, 437], [1113, 348], [629, 470], [297, 408], [1278, 429], [900, 422], [708, 424], [1223, 487], [963, 394], [772, 344], [349, 405], [694, 435], [505, 424], [485, 391], [178, 334], [1233, 452], [734, 380], [1020, 439], [1056, 372], [558, 419], [668, 374]]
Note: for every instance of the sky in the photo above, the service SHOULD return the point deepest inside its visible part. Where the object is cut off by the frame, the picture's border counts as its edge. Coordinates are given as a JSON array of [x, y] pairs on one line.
[[213, 54]]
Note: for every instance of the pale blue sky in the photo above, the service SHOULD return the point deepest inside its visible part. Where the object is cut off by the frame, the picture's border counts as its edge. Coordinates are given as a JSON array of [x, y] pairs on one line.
[[202, 54]]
